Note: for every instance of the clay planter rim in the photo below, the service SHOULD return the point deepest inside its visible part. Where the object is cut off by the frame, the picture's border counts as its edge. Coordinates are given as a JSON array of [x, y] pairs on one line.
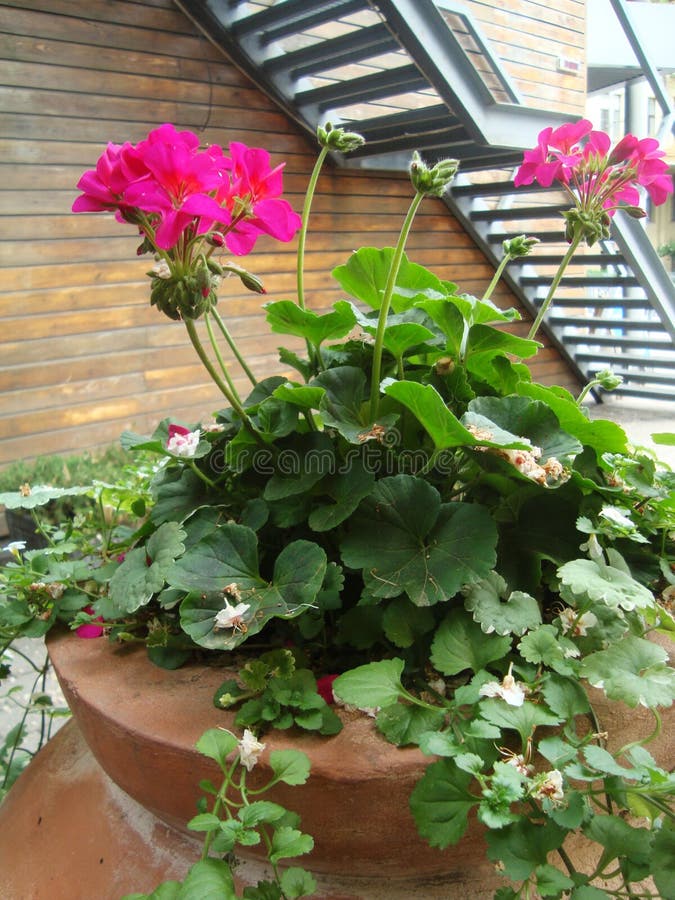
[[142, 723]]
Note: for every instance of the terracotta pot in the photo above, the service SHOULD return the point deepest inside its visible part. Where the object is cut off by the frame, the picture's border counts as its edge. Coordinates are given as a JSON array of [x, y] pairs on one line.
[[102, 810], [140, 724]]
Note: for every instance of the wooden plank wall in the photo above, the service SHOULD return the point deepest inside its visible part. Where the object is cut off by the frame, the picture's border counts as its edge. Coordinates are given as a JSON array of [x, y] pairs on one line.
[[529, 37], [82, 355]]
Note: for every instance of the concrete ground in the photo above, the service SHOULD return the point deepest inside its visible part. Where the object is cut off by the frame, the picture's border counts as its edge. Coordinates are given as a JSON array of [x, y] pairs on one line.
[[639, 418]]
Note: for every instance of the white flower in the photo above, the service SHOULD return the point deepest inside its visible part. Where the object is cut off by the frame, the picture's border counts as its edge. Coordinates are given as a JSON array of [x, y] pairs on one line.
[[250, 749], [183, 444], [549, 786], [232, 616], [577, 624], [510, 690], [15, 548]]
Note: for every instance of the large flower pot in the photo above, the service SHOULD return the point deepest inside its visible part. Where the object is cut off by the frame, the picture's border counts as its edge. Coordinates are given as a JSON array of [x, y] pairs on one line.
[[121, 783], [102, 810]]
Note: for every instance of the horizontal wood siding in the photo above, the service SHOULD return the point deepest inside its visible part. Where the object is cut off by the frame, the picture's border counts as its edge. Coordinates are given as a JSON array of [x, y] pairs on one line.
[[82, 354], [530, 37]]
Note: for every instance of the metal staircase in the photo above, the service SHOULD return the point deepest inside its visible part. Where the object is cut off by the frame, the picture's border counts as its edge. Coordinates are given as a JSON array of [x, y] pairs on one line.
[[418, 74]]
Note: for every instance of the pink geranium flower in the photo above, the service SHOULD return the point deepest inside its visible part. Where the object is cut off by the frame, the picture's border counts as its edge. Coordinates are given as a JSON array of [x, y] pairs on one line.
[[598, 179]]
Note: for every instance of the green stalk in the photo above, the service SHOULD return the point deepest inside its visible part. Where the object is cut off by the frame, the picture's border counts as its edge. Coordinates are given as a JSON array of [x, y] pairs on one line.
[[571, 250], [210, 368], [219, 357], [233, 347], [386, 303], [309, 196], [506, 259]]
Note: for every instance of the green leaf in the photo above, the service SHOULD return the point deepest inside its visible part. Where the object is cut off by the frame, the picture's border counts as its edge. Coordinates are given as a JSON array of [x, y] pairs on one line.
[[301, 395], [365, 276], [604, 436], [343, 405], [449, 319], [406, 541], [229, 556], [588, 892], [375, 684], [209, 879], [545, 646], [495, 609], [260, 811], [565, 696], [288, 842], [523, 846], [531, 419], [217, 744], [286, 317], [523, 719], [204, 822], [428, 407], [663, 861], [289, 766], [551, 882], [633, 670], [404, 622], [296, 882], [441, 802], [460, 644], [404, 724], [619, 839], [144, 571], [345, 490], [591, 580], [40, 495]]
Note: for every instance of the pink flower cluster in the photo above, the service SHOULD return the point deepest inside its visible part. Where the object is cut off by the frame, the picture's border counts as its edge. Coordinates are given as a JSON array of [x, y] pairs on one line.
[[602, 178], [173, 188]]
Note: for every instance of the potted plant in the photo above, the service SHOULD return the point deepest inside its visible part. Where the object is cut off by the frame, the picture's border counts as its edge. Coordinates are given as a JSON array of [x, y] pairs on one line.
[[403, 531]]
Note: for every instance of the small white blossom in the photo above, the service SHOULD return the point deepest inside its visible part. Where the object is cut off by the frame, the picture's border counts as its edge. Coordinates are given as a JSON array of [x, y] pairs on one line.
[[250, 749], [549, 786], [15, 548], [183, 444], [571, 621], [518, 761], [510, 690], [232, 616]]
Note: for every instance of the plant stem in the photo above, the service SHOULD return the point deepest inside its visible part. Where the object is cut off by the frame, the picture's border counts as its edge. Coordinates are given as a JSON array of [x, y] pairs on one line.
[[506, 259], [219, 357], [210, 368], [302, 237], [386, 303], [571, 250], [233, 347]]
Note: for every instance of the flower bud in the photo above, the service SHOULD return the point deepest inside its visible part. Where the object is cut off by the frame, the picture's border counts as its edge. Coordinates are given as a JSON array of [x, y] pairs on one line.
[[216, 239], [608, 380], [635, 212], [432, 181], [521, 245], [338, 138], [250, 281]]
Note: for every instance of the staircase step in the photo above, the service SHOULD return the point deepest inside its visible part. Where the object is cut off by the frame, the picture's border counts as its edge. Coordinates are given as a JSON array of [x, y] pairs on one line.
[[653, 394], [576, 281], [367, 88], [547, 211], [497, 189], [329, 54], [546, 237], [627, 343], [279, 21], [597, 322], [625, 359], [553, 259], [598, 302]]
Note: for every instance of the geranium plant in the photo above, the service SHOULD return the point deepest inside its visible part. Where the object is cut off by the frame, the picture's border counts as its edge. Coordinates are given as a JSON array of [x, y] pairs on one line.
[[403, 520]]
